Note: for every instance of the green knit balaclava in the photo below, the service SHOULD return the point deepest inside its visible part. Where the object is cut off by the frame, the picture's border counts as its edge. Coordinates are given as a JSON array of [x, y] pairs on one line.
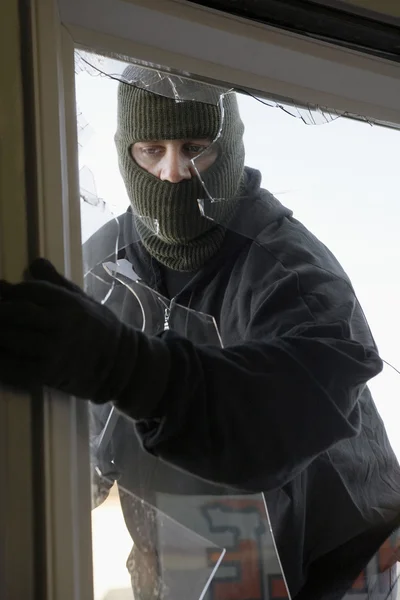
[[167, 215]]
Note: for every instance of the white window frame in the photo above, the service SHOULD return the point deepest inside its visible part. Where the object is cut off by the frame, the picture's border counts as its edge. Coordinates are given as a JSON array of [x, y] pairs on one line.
[[187, 38], [17, 462], [241, 53]]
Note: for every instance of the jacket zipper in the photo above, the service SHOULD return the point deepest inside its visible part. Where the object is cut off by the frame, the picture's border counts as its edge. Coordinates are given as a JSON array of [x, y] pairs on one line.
[[167, 312]]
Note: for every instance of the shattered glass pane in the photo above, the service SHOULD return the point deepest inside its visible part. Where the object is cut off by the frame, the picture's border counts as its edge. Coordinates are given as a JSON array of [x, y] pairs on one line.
[[341, 180], [379, 580], [84, 130], [88, 188], [162, 81], [168, 560]]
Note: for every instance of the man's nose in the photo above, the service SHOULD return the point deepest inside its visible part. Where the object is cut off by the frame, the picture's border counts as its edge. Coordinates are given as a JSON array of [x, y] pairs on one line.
[[175, 167]]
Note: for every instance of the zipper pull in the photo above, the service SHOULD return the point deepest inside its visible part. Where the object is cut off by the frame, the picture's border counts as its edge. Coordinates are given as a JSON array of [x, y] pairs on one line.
[[166, 318]]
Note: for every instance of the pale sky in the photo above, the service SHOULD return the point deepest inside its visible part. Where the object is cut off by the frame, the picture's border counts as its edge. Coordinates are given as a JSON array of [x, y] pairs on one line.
[[341, 179]]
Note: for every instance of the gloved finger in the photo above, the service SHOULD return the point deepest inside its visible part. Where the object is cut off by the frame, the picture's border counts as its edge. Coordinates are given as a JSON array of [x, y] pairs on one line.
[[25, 315], [41, 293], [5, 286], [23, 376], [42, 269], [24, 345]]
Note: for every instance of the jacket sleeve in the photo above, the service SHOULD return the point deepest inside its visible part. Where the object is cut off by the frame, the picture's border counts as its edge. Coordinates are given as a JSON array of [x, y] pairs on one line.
[[253, 415]]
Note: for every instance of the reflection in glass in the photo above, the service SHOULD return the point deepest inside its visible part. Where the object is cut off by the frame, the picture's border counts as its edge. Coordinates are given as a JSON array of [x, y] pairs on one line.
[[341, 178]]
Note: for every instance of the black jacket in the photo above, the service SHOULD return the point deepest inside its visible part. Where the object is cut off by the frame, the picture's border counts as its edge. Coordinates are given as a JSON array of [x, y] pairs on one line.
[[283, 408]]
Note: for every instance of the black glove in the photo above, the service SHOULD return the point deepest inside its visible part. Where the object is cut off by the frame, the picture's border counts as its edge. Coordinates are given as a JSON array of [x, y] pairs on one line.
[[53, 334]]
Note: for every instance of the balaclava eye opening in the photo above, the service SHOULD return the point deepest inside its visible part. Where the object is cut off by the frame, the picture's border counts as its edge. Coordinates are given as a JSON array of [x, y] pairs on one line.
[[167, 215]]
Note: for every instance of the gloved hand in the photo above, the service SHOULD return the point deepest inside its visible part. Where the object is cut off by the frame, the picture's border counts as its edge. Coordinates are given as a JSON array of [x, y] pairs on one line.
[[53, 334]]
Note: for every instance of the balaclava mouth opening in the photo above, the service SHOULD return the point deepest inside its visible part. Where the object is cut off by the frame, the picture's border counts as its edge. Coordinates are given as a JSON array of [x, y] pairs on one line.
[[167, 215]]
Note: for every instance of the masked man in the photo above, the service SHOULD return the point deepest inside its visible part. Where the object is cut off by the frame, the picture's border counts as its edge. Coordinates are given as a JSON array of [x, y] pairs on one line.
[[281, 407]]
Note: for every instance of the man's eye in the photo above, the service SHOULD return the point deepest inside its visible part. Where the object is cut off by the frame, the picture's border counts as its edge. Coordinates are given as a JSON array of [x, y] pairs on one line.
[[151, 151], [195, 149]]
